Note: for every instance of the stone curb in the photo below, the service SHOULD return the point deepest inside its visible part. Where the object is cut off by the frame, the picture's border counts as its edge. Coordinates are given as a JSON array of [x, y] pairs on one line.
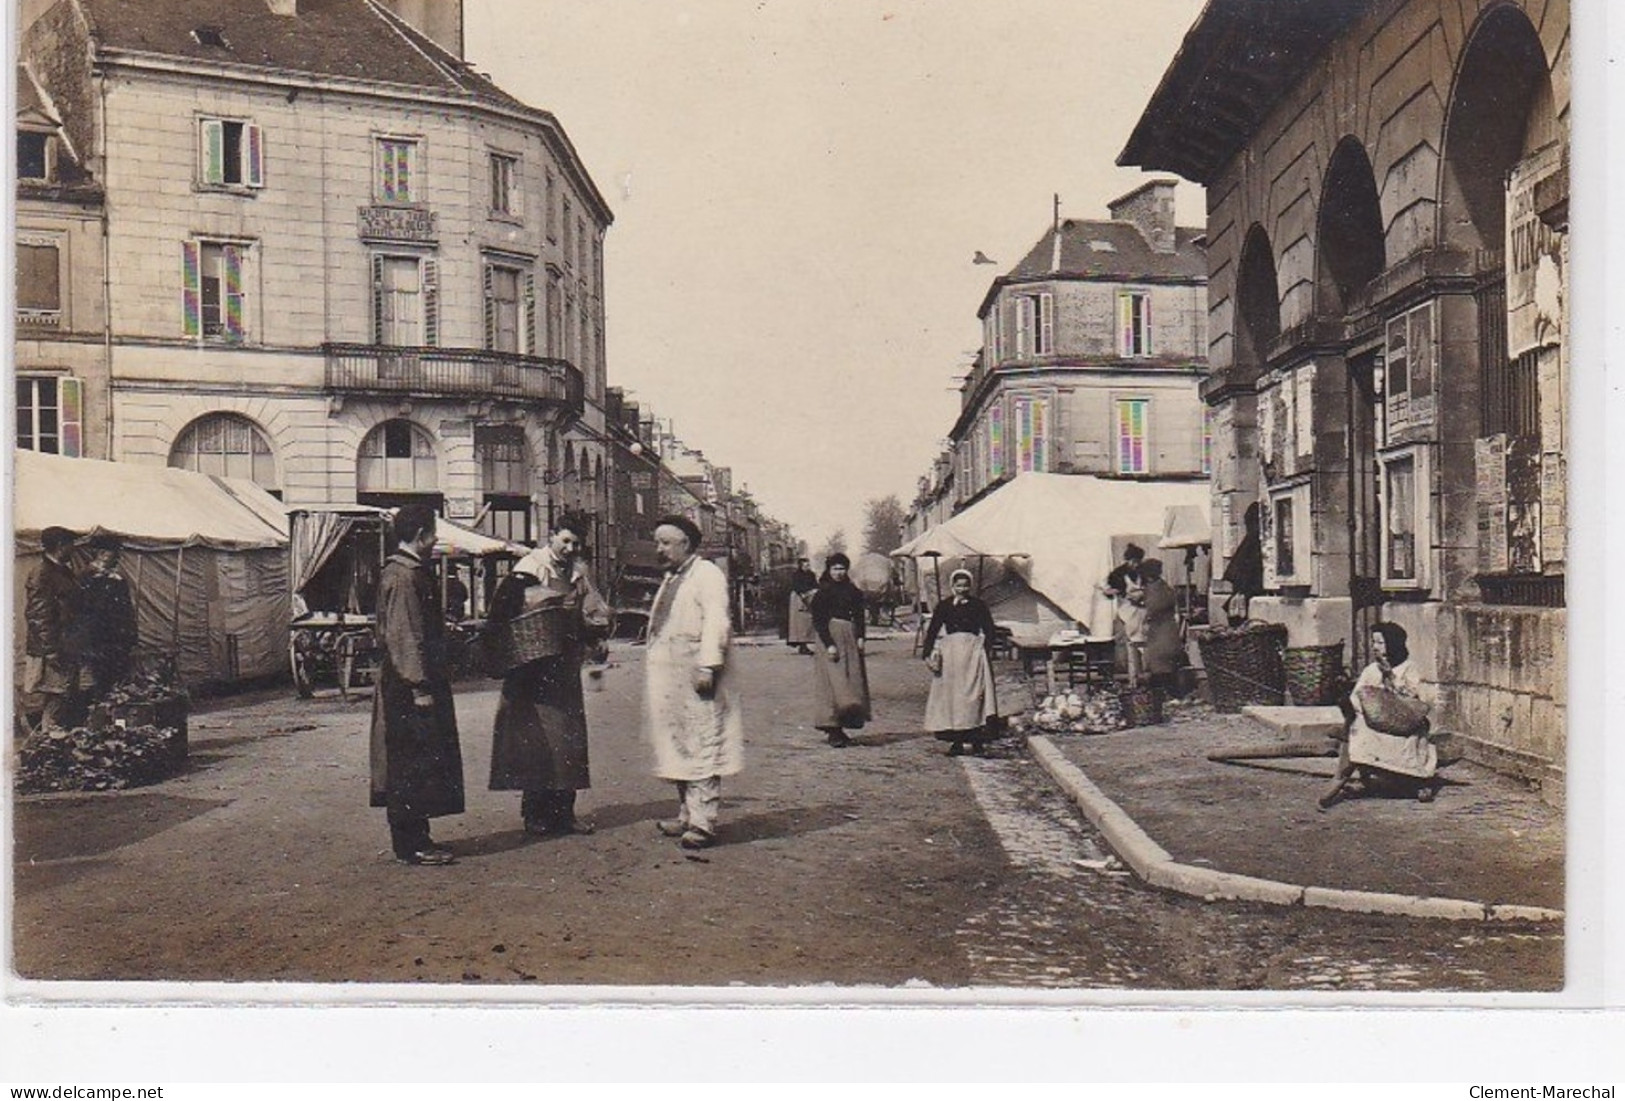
[[1152, 863]]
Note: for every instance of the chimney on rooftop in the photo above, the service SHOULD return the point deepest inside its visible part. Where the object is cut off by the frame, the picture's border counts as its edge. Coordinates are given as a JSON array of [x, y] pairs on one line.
[[441, 20], [1151, 207], [284, 7]]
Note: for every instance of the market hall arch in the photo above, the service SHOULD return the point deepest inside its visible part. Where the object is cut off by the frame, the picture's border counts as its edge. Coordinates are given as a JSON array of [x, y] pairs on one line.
[[228, 445], [1350, 255], [1502, 138]]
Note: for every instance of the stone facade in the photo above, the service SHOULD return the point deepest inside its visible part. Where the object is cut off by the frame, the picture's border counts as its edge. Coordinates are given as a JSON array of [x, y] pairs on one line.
[[1387, 243]]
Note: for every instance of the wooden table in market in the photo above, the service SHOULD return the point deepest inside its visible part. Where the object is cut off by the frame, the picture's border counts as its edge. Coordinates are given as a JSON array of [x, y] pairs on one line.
[[1099, 658]]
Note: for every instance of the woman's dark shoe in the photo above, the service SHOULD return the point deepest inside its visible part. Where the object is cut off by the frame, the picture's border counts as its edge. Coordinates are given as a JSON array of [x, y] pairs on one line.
[[696, 839], [837, 738], [429, 857], [956, 750]]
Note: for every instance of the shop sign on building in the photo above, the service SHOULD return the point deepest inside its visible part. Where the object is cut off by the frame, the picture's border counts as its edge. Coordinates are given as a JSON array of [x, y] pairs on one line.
[[396, 223], [1534, 270]]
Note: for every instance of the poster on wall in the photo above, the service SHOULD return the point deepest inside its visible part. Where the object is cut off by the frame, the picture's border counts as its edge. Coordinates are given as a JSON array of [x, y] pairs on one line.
[[1553, 508], [1490, 468], [1534, 270], [1523, 509]]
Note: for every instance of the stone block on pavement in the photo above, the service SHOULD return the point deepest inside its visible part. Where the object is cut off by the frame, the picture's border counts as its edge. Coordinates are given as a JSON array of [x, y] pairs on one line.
[[1298, 722]]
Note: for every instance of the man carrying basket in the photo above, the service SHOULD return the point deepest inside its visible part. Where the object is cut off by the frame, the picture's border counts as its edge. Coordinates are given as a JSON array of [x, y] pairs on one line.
[[544, 616]]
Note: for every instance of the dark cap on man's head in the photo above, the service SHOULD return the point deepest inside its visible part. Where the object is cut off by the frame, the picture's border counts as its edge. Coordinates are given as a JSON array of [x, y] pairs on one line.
[[55, 538], [683, 524]]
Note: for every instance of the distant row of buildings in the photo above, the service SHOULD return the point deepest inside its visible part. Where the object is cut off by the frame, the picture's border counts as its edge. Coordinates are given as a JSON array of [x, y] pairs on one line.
[[308, 244], [1368, 340]]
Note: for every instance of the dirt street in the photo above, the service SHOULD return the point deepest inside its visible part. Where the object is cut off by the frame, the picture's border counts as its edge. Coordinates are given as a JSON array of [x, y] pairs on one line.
[[887, 864]]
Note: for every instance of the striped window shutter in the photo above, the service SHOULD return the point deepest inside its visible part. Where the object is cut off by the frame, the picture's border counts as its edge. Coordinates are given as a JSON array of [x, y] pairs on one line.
[[1040, 436], [70, 417], [1024, 325], [490, 308], [431, 301], [212, 149], [232, 291], [254, 148], [377, 299], [530, 313], [191, 290], [1125, 324], [1046, 324]]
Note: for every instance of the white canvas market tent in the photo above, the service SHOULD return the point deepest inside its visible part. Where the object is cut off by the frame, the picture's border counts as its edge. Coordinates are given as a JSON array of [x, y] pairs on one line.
[[1044, 543], [206, 557]]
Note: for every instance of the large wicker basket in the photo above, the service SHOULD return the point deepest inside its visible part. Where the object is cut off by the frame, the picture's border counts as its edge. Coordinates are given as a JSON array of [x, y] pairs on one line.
[[540, 633], [1244, 665], [1314, 674]]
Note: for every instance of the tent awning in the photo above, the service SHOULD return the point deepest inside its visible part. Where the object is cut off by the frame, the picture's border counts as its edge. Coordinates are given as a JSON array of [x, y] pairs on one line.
[[143, 504], [1186, 526], [1056, 530]]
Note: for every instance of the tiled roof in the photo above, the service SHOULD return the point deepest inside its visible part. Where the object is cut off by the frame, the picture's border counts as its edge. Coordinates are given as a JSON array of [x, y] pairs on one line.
[[348, 39], [1112, 250]]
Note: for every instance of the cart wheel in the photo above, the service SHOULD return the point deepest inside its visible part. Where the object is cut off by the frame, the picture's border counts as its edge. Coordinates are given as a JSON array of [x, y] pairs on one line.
[[301, 676]]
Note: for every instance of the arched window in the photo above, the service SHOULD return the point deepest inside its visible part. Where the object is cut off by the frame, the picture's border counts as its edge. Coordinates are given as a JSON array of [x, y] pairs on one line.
[[397, 457], [229, 446]]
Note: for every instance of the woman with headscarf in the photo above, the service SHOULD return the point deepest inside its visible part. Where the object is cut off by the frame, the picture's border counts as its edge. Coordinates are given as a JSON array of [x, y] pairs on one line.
[[1404, 754], [958, 644], [841, 678], [803, 584]]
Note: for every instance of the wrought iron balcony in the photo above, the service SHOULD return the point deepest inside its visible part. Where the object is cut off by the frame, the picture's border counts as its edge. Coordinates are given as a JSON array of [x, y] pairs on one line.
[[452, 372]]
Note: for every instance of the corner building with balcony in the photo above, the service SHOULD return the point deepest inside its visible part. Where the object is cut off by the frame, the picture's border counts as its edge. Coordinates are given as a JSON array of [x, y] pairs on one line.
[[1387, 188], [340, 262]]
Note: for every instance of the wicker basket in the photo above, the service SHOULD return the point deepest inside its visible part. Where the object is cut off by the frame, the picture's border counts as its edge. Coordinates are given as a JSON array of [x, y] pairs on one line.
[[1243, 665], [1313, 674], [1388, 712], [541, 633]]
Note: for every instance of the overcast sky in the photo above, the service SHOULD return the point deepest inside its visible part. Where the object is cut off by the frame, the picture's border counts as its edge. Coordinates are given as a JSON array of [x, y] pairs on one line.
[[799, 188]]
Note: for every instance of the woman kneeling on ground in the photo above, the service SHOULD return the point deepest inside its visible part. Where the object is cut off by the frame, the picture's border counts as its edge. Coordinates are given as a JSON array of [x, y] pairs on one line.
[[1388, 727], [962, 706]]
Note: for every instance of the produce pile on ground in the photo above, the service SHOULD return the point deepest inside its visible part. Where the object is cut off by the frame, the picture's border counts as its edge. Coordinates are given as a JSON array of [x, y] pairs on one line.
[[142, 687], [1098, 712], [82, 759]]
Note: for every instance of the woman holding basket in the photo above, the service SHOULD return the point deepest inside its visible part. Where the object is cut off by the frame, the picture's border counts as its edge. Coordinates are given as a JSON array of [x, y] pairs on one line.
[[962, 704], [841, 677], [544, 616], [1388, 724]]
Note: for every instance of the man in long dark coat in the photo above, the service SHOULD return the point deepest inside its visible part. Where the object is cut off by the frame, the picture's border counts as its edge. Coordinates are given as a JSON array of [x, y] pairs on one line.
[[417, 763], [539, 742], [52, 593], [103, 632]]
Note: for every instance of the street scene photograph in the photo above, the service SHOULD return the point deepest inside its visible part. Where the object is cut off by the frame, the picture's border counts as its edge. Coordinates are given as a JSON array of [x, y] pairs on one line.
[[878, 502]]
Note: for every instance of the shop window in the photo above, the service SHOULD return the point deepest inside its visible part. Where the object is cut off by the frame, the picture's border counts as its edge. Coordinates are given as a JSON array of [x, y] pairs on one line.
[[231, 154], [1406, 514], [1285, 535], [227, 446], [397, 457], [50, 414]]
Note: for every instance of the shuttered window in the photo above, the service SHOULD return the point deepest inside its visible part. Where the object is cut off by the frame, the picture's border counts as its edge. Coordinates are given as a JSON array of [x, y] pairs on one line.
[[231, 153], [214, 295], [397, 170], [1134, 323], [405, 301], [50, 415], [1132, 454], [510, 309]]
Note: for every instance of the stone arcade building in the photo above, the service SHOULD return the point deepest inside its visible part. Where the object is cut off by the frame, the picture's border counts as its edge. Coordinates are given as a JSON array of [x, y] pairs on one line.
[[1387, 245]]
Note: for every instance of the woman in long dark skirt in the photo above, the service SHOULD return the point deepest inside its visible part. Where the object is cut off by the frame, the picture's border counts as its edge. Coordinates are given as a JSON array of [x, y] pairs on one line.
[[963, 704], [841, 679]]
